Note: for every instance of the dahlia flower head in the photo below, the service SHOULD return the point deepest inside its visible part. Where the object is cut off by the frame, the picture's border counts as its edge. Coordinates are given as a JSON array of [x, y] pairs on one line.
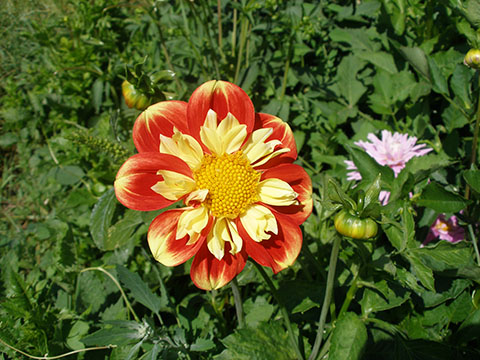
[[231, 169], [445, 229], [393, 150]]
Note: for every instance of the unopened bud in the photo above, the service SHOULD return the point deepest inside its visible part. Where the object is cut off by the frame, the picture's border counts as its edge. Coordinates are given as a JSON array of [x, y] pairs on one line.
[[472, 59]]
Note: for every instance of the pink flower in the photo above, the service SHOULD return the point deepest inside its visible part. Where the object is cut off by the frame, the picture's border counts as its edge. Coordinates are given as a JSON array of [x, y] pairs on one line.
[[444, 229], [394, 151]]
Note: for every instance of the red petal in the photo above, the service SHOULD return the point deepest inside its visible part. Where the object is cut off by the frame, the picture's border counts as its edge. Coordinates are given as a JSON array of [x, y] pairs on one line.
[[208, 273], [161, 239], [278, 252], [282, 132], [139, 173], [222, 97], [300, 182], [157, 119]]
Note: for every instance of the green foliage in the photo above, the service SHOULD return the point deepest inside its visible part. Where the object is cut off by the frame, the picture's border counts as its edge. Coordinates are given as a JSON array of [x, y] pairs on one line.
[[76, 268]]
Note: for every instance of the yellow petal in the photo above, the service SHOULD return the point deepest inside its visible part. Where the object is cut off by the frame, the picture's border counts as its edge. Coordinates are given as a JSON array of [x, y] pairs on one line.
[[224, 230], [192, 222], [258, 151], [227, 137], [257, 221], [184, 147], [174, 185], [196, 196], [276, 192]]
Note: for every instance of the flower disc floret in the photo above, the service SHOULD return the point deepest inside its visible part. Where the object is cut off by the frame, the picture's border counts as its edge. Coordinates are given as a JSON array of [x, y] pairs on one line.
[[231, 183]]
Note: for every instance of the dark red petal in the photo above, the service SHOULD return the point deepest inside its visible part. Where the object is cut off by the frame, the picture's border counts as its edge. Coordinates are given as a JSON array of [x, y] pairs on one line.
[[222, 97], [139, 173], [159, 119], [161, 239], [301, 183], [278, 252], [208, 273], [282, 132]]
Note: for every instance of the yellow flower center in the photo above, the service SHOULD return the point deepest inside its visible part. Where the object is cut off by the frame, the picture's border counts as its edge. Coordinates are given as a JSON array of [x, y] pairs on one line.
[[231, 183]]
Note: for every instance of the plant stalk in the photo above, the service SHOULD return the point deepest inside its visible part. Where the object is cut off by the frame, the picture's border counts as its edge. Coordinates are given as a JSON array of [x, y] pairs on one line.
[[238, 303], [473, 157], [283, 309], [328, 296]]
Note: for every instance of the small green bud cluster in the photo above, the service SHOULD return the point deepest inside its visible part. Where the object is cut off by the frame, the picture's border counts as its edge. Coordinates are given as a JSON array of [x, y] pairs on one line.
[[97, 144]]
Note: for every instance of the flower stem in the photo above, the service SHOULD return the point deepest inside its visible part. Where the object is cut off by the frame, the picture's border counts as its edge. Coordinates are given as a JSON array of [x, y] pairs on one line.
[[473, 157], [283, 309], [243, 38], [238, 302], [474, 242], [328, 296], [349, 297]]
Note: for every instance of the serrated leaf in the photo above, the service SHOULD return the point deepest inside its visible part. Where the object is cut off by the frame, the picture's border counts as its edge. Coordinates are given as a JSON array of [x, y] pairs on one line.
[[349, 87], [101, 218], [202, 345], [268, 341], [445, 256], [369, 168], [451, 289], [421, 271], [122, 333], [122, 231], [381, 59], [382, 295], [140, 290], [439, 82], [349, 338], [442, 201]]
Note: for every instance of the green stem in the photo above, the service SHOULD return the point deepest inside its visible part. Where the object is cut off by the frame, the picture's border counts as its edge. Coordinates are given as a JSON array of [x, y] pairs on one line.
[[207, 30], [286, 68], [243, 38], [118, 286], [234, 31], [474, 242], [282, 307], [349, 297], [45, 357], [473, 157], [328, 296], [238, 302]]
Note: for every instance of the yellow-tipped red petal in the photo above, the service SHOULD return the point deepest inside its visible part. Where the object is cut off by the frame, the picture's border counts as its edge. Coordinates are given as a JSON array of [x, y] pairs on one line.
[[133, 185], [222, 97], [301, 183], [281, 132], [159, 119], [278, 252], [165, 248], [208, 273]]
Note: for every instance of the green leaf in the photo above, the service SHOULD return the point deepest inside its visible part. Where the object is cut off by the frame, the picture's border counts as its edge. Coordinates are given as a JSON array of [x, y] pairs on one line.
[[140, 290], [451, 290], [369, 168], [442, 201], [472, 177], [445, 256], [67, 175], [202, 345], [382, 295], [421, 271], [97, 95], [78, 330], [268, 341], [101, 218], [121, 333], [417, 58], [381, 59], [439, 82], [348, 86], [122, 231], [460, 83], [349, 338]]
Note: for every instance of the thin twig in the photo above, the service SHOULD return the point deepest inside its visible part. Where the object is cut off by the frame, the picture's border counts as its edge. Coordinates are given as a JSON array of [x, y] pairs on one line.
[[118, 286], [45, 357]]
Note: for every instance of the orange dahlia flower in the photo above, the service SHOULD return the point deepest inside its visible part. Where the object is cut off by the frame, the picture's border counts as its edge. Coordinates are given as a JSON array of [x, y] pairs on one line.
[[232, 168]]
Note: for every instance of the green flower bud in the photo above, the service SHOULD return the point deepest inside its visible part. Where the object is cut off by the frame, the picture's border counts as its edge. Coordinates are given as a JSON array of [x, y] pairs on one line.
[[354, 226], [472, 59]]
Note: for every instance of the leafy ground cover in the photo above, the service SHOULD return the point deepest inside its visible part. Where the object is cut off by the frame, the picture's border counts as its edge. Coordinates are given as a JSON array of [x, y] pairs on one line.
[[77, 274]]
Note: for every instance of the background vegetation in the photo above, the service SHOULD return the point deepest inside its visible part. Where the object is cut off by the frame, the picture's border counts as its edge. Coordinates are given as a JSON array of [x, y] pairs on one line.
[[75, 267]]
